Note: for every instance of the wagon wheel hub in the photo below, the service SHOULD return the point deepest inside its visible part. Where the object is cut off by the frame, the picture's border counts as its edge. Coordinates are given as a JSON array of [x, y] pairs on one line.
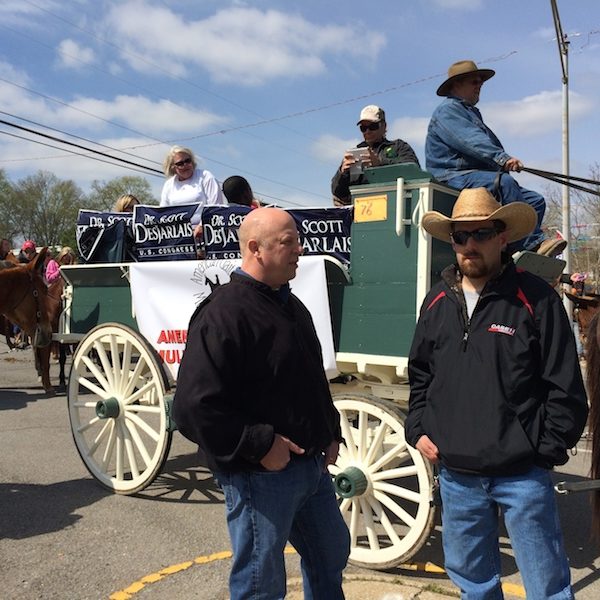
[[108, 409], [350, 483]]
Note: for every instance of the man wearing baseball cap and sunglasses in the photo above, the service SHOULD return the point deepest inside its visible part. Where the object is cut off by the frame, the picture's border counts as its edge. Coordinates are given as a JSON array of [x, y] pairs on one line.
[[496, 400], [378, 151], [463, 152]]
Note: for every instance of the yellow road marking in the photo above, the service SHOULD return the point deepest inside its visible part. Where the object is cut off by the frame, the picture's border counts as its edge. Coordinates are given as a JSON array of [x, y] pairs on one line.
[[514, 589], [137, 586]]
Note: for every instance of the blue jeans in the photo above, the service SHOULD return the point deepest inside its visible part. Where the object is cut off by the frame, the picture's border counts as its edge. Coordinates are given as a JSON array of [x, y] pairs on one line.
[[265, 509], [510, 191], [470, 517]]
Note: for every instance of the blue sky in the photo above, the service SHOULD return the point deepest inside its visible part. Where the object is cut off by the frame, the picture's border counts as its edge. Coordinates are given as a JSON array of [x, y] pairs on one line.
[[272, 90]]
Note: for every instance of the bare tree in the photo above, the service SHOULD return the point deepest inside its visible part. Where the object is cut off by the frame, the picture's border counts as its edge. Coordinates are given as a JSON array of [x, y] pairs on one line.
[[585, 224]]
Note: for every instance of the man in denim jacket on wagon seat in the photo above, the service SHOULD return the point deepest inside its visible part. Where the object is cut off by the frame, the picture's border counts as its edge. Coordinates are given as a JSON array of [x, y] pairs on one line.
[[463, 152]]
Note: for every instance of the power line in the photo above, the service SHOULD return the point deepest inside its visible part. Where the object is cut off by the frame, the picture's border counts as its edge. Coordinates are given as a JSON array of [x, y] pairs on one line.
[[56, 139], [21, 137], [73, 135]]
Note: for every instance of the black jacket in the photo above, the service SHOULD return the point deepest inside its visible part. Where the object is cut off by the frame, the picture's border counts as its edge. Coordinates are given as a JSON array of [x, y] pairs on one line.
[[252, 367], [503, 391], [389, 153]]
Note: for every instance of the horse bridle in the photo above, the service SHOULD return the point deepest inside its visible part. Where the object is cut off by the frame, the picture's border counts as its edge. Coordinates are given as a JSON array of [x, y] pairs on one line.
[[38, 312]]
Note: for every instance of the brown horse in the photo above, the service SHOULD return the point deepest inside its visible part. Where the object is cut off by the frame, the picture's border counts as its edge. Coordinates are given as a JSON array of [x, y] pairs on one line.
[[23, 300]]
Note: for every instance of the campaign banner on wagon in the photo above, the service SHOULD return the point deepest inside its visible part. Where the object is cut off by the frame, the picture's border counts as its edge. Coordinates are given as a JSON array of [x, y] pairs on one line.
[[220, 230], [322, 230], [164, 232], [104, 237], [325, 230], [165, 295]]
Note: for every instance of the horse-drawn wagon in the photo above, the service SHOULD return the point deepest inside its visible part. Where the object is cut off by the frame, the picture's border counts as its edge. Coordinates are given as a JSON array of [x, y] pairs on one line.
[[130, 321]]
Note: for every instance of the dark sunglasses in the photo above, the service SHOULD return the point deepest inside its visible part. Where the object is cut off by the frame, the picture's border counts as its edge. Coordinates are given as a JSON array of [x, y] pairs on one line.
[[479, 235], [185, 161], [370, 127]]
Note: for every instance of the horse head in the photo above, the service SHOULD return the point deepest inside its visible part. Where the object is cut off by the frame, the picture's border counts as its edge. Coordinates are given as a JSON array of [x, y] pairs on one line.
[[24, 298]]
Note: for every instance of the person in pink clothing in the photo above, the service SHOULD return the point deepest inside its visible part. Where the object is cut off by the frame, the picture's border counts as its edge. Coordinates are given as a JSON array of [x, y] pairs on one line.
[[65, 257]]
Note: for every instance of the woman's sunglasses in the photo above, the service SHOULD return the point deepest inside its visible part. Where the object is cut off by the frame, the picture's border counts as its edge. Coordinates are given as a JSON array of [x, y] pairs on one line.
[[185, 161]]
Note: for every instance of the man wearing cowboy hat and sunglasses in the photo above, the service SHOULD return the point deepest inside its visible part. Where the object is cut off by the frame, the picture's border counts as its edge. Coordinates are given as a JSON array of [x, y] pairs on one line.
[[496, 400], [463, 152]]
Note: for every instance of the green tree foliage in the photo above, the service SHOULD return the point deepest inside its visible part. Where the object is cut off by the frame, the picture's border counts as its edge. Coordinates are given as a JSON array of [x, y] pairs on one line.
[[8, 228], [105, 193], [44, 208]]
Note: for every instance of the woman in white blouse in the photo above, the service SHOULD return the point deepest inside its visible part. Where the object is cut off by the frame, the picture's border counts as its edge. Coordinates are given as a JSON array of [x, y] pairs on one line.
[[189, 184]]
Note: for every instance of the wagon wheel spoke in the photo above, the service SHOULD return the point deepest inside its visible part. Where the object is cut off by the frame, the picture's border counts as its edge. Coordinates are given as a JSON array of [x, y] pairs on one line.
[[348, 437], [107, 366], [105, 430], [395, 473], [388, 457], [141, 393], [395, 508], [133, 379], [92, 387], [375, 504], [88, 425], [131, 458], [139, 444], [399, 491], [380, 431], [109, 449], [367, 513], [354, 519], [133, 418]]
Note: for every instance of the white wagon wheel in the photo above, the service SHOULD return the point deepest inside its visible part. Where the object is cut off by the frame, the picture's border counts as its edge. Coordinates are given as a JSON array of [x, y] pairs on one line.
[[117, 408], [384, 485]]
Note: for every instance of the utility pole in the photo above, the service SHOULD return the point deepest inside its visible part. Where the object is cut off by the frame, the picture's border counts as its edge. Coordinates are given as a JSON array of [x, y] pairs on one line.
[[563, 53]]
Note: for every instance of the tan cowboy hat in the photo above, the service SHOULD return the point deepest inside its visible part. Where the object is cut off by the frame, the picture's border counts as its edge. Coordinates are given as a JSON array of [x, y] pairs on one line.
[[477, 204], [460, 68]]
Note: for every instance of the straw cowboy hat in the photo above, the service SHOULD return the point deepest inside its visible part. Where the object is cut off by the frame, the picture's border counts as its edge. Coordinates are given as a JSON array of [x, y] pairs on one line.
[[460, 68], [477, 204]]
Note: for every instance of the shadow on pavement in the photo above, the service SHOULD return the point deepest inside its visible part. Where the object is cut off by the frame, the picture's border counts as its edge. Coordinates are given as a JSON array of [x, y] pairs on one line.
[[29, 510], [184, 479], [11, 399]]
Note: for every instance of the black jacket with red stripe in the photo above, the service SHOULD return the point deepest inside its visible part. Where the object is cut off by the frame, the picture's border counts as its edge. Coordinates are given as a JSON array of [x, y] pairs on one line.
[[502, 391]]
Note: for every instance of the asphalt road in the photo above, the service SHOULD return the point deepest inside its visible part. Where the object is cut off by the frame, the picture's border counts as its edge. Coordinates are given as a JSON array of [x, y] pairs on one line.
[[62, 536]]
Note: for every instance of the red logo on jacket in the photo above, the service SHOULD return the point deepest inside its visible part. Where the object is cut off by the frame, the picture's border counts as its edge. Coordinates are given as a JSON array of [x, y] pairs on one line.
[[505, 329]]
